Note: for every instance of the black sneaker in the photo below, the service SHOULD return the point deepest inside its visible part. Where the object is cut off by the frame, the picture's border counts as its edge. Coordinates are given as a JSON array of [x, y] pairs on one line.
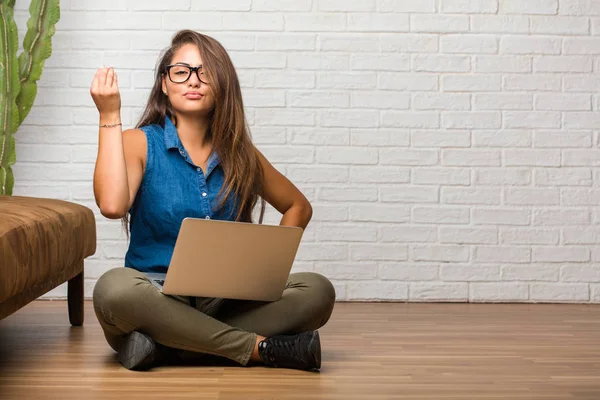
[[138, 352], [302, 351]]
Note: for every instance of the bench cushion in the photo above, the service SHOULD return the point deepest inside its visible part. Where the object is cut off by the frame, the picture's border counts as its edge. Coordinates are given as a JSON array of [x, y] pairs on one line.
[[41, 238]]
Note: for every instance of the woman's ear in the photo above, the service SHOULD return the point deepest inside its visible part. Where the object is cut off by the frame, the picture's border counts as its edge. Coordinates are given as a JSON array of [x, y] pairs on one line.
[[164, 85]]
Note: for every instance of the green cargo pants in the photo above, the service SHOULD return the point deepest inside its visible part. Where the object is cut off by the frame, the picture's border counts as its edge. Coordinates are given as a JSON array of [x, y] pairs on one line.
[[125, 300]]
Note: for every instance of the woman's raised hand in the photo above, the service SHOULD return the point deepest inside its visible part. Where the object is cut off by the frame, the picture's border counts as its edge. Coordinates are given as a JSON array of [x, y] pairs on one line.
[[105, 91]]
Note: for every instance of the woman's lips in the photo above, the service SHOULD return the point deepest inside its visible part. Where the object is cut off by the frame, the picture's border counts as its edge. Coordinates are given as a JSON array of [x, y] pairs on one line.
[[194, 96]]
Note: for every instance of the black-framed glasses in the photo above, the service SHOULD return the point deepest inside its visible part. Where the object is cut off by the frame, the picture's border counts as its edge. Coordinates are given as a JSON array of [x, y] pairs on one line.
[[179, 73]]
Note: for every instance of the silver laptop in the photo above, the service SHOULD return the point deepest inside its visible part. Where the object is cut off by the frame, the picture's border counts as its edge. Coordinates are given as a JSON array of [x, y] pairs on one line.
[[230, 260]]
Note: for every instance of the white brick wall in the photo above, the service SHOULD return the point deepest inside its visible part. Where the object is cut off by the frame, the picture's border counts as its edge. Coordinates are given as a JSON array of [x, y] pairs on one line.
[[450, 148]]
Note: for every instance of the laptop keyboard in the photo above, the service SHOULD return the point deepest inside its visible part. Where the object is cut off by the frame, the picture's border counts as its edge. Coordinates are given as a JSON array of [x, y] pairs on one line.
[[161, 282]]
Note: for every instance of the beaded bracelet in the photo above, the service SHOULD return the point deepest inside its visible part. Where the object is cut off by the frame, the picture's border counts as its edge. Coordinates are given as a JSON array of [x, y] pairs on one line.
[[109, 126]]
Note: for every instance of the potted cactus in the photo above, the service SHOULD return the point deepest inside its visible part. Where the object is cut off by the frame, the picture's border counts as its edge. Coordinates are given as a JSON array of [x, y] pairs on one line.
[[18, 76]]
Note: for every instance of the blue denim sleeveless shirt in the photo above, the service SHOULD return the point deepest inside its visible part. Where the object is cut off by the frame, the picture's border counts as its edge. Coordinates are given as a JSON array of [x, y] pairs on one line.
[[172, 188]]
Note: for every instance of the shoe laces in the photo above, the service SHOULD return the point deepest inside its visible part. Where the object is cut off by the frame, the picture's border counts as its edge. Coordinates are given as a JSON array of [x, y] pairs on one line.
[[288, 349]]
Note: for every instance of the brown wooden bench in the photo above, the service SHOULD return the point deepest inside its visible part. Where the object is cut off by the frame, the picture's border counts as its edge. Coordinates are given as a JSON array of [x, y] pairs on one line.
[[43, 243]]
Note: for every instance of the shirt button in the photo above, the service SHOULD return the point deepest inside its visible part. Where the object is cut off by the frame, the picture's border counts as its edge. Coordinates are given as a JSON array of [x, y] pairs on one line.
[[199, 169], [207, 217], [204, 194]]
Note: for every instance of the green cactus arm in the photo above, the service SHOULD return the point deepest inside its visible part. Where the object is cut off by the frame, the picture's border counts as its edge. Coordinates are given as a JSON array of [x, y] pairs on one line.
[[7, 178], [9, 90], [10, 3], [37, 47]]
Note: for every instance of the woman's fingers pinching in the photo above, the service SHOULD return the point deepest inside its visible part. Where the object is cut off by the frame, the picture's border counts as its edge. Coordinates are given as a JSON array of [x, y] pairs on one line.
[[102, 77], [110, 77]]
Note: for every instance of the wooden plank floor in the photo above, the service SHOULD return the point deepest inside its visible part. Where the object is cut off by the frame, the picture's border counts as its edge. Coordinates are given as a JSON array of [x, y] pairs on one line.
[[370, 351]]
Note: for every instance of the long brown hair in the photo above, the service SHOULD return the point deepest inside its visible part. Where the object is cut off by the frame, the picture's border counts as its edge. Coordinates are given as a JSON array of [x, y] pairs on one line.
[[228, 128]]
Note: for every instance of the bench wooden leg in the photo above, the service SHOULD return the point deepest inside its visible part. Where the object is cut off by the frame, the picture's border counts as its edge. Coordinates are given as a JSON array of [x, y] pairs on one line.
[[75, 299]]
